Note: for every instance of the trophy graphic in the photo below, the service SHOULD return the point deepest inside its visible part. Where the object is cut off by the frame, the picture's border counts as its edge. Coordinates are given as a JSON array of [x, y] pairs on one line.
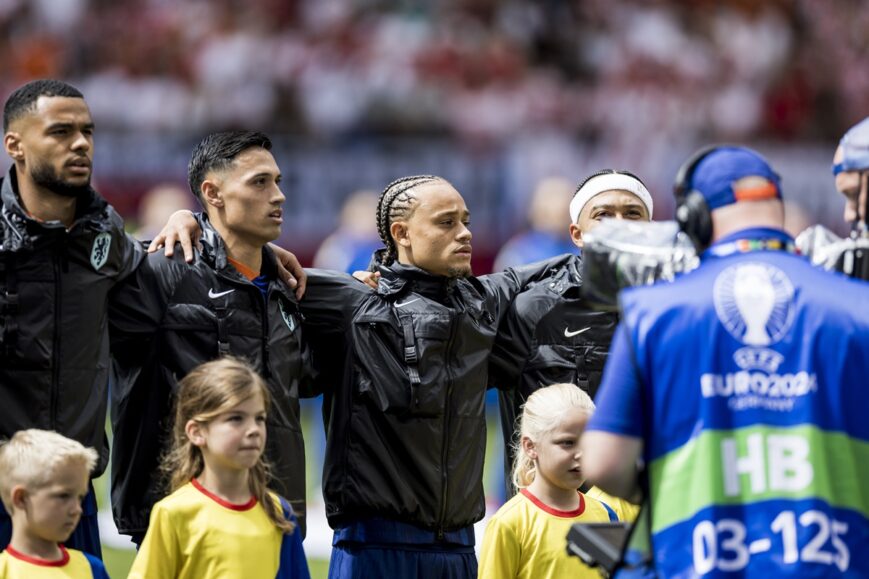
[[755, 299]]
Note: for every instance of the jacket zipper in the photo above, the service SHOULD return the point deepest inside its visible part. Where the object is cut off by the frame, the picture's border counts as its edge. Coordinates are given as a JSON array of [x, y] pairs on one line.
[[445, 439], [265, 329], [60, 266]]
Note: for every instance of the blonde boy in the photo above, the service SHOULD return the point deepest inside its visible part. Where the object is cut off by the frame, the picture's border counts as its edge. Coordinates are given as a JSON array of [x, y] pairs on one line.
[[43, 479]]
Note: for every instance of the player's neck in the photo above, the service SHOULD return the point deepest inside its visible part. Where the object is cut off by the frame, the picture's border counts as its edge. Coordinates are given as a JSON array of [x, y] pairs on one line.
[[231, 485], [33, 546], [43, 204], [553, 496], [239, 249]]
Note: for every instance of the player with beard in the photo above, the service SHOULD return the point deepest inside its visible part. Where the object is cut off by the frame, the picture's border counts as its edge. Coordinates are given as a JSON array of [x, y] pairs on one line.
[[404, 370], [62, 248]]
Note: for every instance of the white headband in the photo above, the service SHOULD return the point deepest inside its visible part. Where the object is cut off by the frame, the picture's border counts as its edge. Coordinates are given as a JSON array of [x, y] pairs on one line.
[[609, 182]]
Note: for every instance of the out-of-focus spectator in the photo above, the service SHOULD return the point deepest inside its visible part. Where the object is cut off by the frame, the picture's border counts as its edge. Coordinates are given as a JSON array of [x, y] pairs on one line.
[[350, 247], [548, 218], [157, 206], [484, 71]]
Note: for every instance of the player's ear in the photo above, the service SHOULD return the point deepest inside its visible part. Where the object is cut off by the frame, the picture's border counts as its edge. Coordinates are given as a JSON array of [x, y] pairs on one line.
[[575, 234], [398, 230], [211, 193], [12, 144]]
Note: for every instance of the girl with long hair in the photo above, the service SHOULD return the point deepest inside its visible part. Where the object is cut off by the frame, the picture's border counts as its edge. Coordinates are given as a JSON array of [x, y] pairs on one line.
[[220, 519]]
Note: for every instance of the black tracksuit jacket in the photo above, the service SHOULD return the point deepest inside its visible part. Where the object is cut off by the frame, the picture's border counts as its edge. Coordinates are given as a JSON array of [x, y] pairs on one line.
[[549, 335], [167, 319], [54, 288], [404, 369]]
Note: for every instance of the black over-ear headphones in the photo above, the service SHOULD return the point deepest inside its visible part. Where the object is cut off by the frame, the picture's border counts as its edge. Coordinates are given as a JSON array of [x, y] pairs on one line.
[[692, 212]]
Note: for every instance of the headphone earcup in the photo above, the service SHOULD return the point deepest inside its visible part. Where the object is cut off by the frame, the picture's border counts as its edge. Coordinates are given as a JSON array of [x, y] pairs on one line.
[[694, 218]]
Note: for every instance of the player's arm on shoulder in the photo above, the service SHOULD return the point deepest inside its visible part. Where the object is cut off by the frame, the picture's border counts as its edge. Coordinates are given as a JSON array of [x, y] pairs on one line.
[[331, 298], [504, 286], [183, 228], [512, 348]]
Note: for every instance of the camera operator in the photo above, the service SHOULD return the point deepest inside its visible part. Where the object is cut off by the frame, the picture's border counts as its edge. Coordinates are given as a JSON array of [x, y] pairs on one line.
[[740, 386]]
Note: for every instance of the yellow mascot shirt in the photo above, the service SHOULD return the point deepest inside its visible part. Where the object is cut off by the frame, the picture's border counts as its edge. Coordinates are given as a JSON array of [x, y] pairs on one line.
[[194, 534], [527, 539]]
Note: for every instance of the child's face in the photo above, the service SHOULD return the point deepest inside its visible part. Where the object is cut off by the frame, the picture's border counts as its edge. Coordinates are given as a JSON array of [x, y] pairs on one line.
[[558, 454], [235, 439], [51, 513]]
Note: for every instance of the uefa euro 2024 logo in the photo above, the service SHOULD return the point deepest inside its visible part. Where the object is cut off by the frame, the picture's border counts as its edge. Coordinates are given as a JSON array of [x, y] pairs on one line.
[[754, 301]]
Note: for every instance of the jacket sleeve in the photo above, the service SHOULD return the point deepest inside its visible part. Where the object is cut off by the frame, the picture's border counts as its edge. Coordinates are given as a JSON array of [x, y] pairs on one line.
[[330, 300], [504, 286], [512, 348], [130, 251], [137, 305]]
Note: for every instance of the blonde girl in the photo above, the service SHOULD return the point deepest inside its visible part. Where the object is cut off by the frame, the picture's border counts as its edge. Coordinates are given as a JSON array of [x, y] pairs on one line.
[[526, 537], [220, 519]]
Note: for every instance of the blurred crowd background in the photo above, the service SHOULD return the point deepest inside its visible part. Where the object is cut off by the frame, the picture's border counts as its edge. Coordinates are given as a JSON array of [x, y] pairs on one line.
[[494, 94]]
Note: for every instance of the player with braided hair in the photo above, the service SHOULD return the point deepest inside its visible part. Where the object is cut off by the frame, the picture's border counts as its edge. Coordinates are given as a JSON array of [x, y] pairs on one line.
[[395, 203], [404, 371]]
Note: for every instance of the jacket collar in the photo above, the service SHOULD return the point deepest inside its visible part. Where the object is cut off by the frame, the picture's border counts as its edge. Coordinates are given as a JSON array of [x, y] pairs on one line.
[[214, 254], [91, 210], [398, 279], [567, 278]]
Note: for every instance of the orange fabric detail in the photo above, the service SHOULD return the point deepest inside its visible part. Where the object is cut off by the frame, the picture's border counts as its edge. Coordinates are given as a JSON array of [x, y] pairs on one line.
[[243, 269], [768, 191]]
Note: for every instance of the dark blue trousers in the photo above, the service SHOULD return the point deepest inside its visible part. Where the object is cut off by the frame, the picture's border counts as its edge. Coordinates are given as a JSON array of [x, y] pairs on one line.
[[385, 548]]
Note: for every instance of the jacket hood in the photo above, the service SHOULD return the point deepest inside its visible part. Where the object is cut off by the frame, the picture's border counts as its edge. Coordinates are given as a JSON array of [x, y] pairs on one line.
[[20, 227]]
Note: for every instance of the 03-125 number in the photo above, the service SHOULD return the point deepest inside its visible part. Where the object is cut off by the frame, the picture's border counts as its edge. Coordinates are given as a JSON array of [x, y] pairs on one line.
[[722, 544]]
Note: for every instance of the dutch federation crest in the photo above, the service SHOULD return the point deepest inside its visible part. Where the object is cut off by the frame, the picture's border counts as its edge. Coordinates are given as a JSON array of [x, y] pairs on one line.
[[289, 319], [754, 301], [100, 250]]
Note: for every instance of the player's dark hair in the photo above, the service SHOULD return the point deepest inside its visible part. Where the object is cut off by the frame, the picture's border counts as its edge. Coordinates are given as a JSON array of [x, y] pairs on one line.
[[23, 100], [217, 151], [397, 202]]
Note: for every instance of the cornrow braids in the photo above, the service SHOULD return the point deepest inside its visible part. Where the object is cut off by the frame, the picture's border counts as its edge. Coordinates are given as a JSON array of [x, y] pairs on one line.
[[396, 202], [606, 172]]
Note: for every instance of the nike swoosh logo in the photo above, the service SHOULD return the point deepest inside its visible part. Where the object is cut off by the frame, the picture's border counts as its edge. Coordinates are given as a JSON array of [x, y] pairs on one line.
[[569, 334], [213, 295], [407, 303]]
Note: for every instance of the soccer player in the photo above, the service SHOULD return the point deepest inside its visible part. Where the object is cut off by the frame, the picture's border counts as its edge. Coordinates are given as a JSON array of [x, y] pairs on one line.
[[741, 386], [172, 316], [404, 369], [62, 249], [550, 334], [44, 477]]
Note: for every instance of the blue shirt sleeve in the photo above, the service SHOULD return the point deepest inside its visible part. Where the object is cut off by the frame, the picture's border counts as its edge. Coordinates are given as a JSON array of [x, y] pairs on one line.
[[293, 564], [98, 570], [619, 400]]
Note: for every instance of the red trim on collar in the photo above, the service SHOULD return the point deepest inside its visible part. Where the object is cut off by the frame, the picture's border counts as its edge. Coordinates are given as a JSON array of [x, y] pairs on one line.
[[223, 502], [64, 558], [555, 512]]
